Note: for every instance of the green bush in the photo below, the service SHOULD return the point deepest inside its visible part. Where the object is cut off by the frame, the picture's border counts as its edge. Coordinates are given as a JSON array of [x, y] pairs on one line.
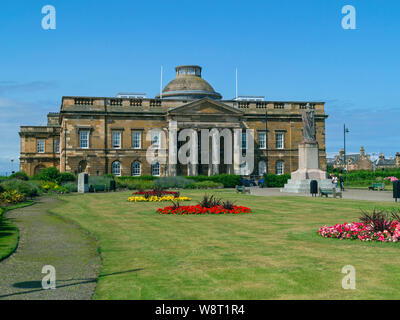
[[28, 188], [19, 175], [48, 174], [171, 182], [275, 181], [100, 183], [66, 177], [71, 186], [204, 185], [1, 188], [134, 184], [1, 212], [228, 180], [130, 178]]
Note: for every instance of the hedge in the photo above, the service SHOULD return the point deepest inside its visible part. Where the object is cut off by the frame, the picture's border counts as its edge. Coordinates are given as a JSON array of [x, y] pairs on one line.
[[275, 181], [227, 180]]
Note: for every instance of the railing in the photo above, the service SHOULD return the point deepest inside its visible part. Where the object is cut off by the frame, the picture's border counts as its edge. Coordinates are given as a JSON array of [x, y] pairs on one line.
[[136, 102], [116, 102], [155, 103], [83, 101]]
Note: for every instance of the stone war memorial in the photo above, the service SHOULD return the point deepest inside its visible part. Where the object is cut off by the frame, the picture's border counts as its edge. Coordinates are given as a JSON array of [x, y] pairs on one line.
[[309, 168]]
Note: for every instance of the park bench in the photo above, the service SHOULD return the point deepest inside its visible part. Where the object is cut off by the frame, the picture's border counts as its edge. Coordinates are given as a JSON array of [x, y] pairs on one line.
[[242, 189], [377, 186], [333, 192]]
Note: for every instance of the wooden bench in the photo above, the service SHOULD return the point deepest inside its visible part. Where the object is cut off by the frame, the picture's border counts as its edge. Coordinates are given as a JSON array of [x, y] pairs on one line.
[[242, 189], [377, 186], [333, 192]]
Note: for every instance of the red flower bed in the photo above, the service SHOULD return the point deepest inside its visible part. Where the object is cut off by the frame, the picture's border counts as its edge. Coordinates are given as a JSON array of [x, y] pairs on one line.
[[158, 193], [198, 209]]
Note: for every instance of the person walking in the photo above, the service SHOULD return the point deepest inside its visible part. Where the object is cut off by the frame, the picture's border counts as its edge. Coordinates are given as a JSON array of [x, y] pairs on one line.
[[341, 182]]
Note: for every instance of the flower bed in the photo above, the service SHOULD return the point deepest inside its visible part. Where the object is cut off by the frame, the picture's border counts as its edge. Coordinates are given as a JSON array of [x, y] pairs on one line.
[[157, 193], [361, 231], [377, 226], [157, 198], [198, 209]]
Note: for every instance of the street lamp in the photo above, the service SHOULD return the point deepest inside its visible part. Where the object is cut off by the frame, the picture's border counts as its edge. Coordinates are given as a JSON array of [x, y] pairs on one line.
[[345, 130], [265, 182], [12, 167]]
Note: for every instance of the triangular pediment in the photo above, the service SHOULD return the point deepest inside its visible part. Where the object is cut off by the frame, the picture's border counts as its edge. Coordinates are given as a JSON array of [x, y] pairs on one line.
[[205, 107]]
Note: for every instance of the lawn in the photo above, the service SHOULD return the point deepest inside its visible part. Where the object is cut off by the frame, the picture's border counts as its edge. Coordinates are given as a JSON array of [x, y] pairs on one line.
[[9, 232], [273, 253]]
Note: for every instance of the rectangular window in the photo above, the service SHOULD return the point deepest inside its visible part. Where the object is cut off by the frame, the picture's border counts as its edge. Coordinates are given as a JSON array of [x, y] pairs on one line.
[[40, 146], [280, 140], [244, 140], [116, 139], [279, 168], [84, 139], [155, 140], [262, 140], [136, 139], [56, 146]]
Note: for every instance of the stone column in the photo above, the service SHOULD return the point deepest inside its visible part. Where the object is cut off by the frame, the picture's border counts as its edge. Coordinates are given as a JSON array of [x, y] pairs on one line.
[[172, 148], [237, 134]]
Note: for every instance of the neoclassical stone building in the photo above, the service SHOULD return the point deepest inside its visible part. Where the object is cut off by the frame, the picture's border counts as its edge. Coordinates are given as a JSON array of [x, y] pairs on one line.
[[102, 135]]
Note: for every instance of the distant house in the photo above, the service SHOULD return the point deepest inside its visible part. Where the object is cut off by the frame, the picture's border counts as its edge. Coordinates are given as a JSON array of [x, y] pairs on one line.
[[354, 161], [391, 163]]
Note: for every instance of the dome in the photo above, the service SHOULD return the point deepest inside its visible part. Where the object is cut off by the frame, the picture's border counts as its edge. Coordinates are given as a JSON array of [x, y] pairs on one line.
[[189, 84]]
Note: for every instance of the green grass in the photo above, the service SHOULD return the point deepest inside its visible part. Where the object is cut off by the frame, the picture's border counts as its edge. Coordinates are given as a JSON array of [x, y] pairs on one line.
[[273, 253], [9, 232]]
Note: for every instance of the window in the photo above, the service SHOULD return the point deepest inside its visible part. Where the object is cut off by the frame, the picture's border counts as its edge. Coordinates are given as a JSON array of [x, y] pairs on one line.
[[56, 146], [136, 139], [84, 139], [155, 169], [244, 140], [116, 139], [155, 140], [279, 140], [279, 167], [116, 168], [136, 169], [262, 168], [40, 146], [262, 140]]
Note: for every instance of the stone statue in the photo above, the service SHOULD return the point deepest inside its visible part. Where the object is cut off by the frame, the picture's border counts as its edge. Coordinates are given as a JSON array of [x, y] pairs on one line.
[[309, 132]]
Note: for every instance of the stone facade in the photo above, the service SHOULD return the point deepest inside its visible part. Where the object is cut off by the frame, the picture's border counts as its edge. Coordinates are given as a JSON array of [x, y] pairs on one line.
[[99, 117]]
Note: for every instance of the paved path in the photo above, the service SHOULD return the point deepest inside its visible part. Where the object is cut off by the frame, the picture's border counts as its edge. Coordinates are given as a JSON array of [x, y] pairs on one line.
[[354, 194], [46, 239]]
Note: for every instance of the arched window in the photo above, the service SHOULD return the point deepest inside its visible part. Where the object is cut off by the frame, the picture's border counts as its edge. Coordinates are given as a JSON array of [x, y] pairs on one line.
[[136, 168], [279, 167], [116, 168], [38, 169], [155, 169], [262, 168]]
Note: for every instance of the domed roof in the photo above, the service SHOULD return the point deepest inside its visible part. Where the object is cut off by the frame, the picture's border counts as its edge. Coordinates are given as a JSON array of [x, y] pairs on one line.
[[188, 84]]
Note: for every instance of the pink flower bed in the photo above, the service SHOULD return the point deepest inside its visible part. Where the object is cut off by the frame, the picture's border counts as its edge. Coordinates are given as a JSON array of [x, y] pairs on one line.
[[361, 231]]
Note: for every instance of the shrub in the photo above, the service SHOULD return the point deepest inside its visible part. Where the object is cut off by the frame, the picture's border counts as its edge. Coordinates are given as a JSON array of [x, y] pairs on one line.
[[171, 182], [209, 201], [227, 180], [66, 177], [275, 181], [48, 174], [50, 187], [204, 185], [71, 186], [1, 188], [11, 197], [99, 183], [19, 175], [27, 188]]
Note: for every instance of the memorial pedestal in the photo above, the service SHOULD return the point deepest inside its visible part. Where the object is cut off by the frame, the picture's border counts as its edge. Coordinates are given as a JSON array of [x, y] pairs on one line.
[[308, 170]]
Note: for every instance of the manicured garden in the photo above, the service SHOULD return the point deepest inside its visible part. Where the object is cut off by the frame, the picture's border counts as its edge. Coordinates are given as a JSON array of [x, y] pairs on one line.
[[274, 252]]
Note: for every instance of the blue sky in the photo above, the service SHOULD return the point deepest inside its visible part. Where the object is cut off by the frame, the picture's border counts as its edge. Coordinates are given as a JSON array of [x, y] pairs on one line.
[[284, 50]]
